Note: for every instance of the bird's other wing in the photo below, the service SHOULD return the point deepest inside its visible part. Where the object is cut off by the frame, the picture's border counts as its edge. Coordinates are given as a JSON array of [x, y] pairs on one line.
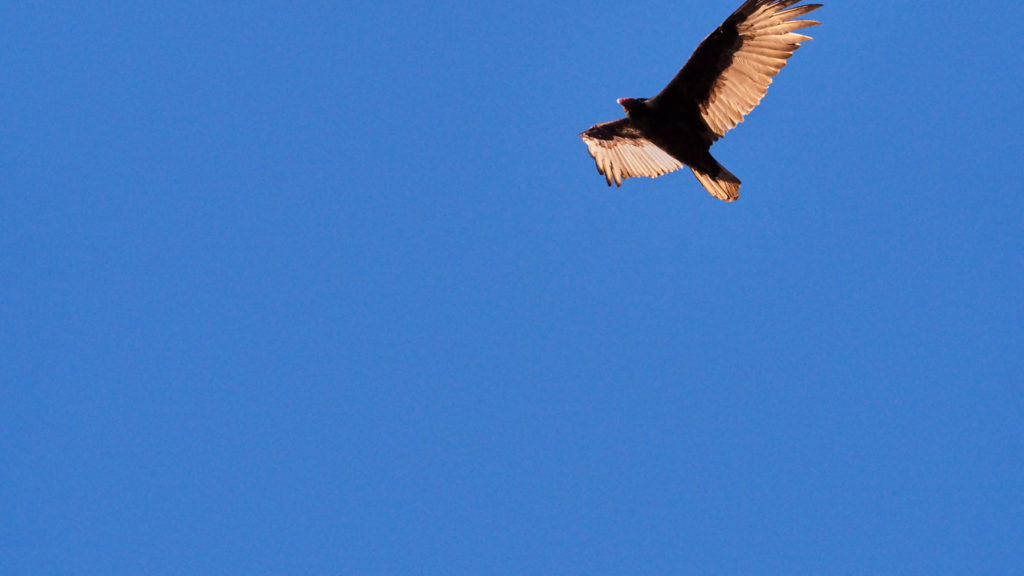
[[732, 68], [621, 152]]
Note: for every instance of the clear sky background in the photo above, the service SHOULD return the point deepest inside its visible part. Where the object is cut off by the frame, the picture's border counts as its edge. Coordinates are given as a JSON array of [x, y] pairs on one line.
[[323, 288]]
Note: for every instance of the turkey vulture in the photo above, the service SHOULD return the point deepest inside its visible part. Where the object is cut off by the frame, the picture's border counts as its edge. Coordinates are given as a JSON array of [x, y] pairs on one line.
[[724, 80]]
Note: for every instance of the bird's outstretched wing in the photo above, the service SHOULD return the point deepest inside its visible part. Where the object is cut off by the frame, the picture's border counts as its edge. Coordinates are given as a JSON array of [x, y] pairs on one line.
[[621, 152], [732, 68]]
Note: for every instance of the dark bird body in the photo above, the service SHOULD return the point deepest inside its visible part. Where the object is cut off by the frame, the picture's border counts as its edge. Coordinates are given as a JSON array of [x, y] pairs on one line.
[[724, 80]]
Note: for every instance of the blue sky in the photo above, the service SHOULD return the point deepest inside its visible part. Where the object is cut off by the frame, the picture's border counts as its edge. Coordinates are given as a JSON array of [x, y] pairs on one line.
[[302, 288]]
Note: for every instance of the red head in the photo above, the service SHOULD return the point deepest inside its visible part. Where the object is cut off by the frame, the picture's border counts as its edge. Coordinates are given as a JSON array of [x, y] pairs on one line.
[[630, 103]]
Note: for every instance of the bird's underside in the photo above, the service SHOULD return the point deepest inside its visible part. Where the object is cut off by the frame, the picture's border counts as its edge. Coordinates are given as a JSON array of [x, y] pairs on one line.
[[721, 83]]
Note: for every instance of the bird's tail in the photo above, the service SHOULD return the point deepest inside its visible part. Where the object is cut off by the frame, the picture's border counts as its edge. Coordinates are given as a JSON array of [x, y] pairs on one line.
[[721, 183]]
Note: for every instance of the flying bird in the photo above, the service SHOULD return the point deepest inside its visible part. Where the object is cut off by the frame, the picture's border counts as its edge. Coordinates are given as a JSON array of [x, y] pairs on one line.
[[723, 80]]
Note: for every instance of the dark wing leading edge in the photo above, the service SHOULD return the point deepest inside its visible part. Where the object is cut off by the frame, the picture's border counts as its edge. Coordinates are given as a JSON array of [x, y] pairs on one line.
[[621, 152], [732, 68]]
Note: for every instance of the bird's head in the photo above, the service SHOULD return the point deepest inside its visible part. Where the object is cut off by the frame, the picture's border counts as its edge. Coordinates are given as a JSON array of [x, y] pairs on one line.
[[630, 104]]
